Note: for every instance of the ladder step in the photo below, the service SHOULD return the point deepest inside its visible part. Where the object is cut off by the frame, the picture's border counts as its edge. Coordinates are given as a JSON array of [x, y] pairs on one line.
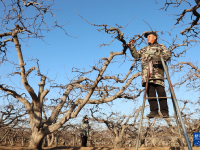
[[156, 97], [158, 117], [157, 78]]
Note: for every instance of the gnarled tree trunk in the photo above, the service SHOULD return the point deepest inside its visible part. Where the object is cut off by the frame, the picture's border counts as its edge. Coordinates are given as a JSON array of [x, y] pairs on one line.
[[36, 140]]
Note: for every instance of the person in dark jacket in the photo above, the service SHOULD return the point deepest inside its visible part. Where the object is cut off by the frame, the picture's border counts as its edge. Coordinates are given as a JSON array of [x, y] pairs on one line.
[[85, 130], [149, 56]]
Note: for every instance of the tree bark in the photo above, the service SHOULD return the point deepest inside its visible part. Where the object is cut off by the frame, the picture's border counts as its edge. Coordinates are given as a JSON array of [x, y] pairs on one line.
[[50, 140], [36, 140], [118, 142]]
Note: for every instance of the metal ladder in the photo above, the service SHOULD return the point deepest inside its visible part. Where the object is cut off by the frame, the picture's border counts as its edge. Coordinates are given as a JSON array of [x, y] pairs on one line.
[[175, 106]]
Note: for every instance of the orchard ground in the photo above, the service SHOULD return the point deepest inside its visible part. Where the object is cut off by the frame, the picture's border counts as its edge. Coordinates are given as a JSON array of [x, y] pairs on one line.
[[97, 148]]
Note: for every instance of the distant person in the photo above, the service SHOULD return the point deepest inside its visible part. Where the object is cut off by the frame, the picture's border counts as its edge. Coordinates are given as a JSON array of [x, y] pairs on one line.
[[150, 62], [85, 130]]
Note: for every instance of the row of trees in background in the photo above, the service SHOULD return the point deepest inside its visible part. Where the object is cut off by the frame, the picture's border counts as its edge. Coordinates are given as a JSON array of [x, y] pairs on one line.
[[112, 130], [82, 89]]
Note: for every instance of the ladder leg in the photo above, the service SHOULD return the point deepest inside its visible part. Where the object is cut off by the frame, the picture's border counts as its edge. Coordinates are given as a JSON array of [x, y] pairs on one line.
[[143, 106], [178, 125], [176, 106]]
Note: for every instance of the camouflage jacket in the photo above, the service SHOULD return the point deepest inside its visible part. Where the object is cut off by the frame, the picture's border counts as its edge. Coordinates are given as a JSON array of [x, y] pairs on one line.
[[149, 57], [85, 128]]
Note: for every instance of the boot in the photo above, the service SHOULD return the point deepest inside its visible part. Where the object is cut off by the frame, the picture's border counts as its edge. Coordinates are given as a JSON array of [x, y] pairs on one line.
[[153, 114], [165, 114]]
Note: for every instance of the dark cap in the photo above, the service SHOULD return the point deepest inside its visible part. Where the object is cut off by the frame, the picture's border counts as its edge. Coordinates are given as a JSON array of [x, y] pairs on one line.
[[147, 33], [85, 117]]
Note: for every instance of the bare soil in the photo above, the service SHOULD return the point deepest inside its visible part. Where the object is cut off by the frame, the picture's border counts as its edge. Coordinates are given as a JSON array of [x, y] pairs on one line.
[[96, 148]]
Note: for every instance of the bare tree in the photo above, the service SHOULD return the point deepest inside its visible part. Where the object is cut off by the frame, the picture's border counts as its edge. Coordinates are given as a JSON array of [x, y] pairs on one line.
[[190, 18], [191, 75], [11, 116], [117, 124], [75, 95], [193, 28]]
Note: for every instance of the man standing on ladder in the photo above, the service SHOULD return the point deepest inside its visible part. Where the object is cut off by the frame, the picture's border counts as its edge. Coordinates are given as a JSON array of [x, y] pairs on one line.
[[150, 62]]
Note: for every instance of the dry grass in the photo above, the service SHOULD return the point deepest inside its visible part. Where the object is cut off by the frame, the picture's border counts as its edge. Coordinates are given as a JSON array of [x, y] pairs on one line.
[[95, 148]]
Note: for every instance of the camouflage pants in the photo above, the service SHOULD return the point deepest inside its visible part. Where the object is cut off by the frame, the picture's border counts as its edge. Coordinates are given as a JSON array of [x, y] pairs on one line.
[[151, 92]]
